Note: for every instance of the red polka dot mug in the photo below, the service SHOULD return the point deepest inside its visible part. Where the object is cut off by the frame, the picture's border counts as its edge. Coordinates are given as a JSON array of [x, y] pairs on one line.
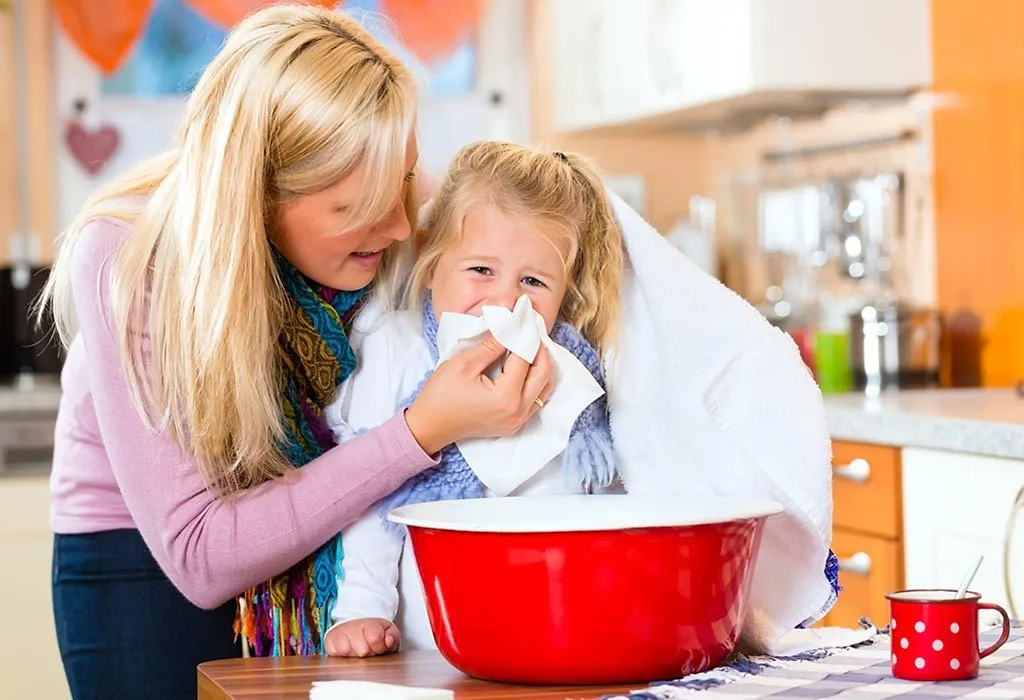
[[934, 635]]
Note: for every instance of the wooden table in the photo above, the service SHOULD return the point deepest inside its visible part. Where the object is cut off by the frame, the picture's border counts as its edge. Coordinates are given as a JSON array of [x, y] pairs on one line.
[[291, 678]]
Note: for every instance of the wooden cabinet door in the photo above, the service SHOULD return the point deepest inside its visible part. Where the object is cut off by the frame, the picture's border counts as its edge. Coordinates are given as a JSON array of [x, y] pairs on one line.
[[870, 567], [866, 489], [28, 648], [957, 506]]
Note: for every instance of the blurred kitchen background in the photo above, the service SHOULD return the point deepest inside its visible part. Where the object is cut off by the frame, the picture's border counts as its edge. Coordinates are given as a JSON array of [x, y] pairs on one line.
[[854, 168]]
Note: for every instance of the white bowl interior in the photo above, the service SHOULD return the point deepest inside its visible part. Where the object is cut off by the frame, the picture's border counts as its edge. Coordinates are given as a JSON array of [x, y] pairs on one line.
[[579, 513], [929, 595]]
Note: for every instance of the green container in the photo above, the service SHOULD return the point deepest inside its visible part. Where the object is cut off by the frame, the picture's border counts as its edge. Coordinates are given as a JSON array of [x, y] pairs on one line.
[[832, 361]]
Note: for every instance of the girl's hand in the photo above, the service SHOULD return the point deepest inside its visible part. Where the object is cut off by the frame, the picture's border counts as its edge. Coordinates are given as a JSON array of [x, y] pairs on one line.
[[460, 401], [362, 638]]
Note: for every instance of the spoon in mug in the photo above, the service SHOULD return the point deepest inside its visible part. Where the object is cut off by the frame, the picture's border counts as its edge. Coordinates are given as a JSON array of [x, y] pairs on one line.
[[962, 591]]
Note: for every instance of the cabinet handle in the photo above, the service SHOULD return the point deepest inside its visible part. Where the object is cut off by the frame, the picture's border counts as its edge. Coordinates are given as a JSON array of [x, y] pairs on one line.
[[859, 563], [858, 471]]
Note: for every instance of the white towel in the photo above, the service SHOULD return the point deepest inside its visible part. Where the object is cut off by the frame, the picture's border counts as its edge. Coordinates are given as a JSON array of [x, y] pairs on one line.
[[706, 397]]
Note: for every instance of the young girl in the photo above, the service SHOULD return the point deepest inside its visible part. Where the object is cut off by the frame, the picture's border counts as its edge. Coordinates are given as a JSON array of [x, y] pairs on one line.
[[507, 221]]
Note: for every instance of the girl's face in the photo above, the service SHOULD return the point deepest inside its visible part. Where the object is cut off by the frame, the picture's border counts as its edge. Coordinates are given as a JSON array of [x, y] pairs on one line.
[[498, 260], [310, 232]]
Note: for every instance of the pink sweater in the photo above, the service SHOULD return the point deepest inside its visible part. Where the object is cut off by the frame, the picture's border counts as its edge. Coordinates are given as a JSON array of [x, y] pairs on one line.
[[110, 471]]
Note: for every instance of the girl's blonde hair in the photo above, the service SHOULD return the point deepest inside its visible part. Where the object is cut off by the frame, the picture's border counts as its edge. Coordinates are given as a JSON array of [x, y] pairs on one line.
[[562, 189], [296, 100]]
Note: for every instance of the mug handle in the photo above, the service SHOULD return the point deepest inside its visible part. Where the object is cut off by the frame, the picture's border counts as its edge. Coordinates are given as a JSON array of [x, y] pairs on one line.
[[1006, 629]]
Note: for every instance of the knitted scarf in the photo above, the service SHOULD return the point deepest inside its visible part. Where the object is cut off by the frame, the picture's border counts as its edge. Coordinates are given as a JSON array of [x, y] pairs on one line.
[[289, 614], [587, 461]]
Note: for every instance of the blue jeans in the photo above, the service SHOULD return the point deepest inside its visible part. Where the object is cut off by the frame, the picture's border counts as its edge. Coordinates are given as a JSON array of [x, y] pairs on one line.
[[124, 630]]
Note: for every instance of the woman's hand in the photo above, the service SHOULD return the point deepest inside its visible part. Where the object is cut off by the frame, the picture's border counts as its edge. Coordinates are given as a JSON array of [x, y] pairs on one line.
[[460, 401]]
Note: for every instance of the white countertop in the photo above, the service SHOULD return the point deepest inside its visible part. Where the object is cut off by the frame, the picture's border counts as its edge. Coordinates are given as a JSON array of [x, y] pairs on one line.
[[41, 396], [978, 421]]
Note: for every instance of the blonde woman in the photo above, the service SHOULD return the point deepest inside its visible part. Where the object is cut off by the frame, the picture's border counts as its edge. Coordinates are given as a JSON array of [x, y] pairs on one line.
[[212, 289]]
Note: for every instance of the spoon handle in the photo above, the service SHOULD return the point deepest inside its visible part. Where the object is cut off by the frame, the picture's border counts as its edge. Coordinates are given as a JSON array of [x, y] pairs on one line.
[[962, 591]]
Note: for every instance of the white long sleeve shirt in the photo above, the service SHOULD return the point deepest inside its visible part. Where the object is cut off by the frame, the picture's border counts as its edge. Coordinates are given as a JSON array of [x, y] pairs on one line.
[[380, 579]]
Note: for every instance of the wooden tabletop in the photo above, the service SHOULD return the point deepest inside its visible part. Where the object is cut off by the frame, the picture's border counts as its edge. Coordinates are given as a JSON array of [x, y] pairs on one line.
[[292, 677]]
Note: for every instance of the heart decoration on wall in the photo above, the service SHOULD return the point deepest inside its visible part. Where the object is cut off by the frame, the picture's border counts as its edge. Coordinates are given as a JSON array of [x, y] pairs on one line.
[[92, 148]]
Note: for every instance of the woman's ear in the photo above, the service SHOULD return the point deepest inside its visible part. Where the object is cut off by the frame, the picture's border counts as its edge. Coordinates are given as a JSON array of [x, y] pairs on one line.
[[426, 185]]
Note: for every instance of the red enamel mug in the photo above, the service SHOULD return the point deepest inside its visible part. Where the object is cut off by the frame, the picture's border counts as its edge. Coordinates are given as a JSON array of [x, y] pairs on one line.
[[934, 634]]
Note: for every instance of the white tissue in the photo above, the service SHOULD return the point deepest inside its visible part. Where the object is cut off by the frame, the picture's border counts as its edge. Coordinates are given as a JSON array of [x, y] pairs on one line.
[[802, 640], [365, 690], [503, 464]]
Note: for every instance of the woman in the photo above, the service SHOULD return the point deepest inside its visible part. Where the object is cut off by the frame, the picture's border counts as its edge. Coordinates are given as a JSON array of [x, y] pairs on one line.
[[212, 289]]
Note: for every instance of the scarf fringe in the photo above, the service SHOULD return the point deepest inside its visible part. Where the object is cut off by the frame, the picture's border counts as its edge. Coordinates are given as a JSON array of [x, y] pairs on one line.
[[589, 459]]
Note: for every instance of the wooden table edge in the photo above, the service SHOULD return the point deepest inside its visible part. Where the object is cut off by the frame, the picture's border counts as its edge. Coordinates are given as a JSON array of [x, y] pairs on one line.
[[411, 668]]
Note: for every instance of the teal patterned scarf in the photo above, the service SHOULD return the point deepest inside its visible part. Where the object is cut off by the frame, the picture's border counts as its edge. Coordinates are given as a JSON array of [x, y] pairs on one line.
[[289, 614]]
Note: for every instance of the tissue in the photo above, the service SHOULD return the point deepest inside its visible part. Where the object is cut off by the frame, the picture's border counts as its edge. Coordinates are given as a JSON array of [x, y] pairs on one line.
[[504, 464]]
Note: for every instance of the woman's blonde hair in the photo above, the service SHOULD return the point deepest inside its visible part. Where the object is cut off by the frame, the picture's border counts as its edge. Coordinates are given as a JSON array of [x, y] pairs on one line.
[[559, 189], [296, 100]]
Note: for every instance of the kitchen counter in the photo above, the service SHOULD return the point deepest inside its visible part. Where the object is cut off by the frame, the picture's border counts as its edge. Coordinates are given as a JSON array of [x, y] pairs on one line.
[[28, 414], [41, 396], [976, 421]]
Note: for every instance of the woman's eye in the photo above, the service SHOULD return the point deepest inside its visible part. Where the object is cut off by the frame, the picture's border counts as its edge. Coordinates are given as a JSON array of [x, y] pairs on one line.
[[533, 282], [480, 270]]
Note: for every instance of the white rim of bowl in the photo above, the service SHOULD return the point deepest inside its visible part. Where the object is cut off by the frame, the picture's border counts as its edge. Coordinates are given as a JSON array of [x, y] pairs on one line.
[[730, 509]]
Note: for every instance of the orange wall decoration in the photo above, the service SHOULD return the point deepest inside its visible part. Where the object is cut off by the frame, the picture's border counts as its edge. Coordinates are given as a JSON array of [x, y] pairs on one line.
[[978, 60], [433, 28], [228, 13], [106, 30]]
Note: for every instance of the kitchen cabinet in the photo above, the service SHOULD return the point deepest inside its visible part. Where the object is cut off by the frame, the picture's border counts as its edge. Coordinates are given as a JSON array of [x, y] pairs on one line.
[[916, 518], [693, 63], [957, 506], [867, 530], [30, 664]]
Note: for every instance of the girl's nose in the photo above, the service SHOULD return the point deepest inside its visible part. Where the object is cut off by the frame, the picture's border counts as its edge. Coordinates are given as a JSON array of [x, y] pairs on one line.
[[506, 296]]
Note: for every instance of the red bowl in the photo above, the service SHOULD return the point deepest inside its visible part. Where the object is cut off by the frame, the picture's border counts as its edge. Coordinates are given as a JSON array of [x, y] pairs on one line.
[[586, 590]]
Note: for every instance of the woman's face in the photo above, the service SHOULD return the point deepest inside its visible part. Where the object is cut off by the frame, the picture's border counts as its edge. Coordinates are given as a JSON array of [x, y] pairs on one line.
[[311, 235]]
